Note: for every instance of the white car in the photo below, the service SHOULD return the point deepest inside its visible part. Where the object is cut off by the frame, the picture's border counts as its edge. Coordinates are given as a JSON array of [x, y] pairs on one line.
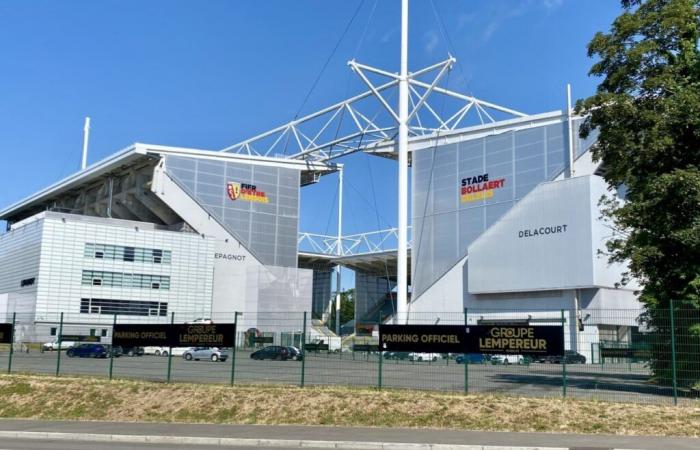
[[423, 356], [163, 351], [53, 345], [507, 359]]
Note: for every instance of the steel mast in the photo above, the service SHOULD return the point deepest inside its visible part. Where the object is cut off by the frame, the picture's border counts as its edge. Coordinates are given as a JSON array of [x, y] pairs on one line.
[[402, 262]]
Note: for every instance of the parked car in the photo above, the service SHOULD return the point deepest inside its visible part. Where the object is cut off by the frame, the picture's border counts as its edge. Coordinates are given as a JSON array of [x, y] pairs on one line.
[[89, 351], [202, 320], [53, 345], [396, 355], [133, 351], [471, 358], [213, 354], [295, 353], [163, 351], [570, 356], [507, 359], [413, 356], [272, 352]]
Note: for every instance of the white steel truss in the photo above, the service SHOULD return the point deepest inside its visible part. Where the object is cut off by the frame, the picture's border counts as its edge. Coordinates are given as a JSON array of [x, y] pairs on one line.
[[350, 245], [367, 120]]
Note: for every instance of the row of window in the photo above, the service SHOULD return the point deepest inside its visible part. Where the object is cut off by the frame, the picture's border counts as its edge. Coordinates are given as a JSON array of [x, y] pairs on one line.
[[127, 280], [122, 307], [129, 254]]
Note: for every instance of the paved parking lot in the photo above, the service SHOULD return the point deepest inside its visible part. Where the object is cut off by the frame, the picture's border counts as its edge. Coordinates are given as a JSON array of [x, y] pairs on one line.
[[614, 382]]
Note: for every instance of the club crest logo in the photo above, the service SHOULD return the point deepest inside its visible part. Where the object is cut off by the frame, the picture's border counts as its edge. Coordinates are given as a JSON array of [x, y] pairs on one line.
[[234, 190], [246, 192]]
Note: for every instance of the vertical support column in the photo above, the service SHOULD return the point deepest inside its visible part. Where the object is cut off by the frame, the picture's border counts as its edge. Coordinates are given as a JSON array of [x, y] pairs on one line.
[[111, 351], [170, 352], [466, 357], [673, 354], [12, 342], [233, 350], [86, 138], [402, 263], [339, 251], [380, 353], [303, 352], [563, 360], [570, 172], [60, 341]]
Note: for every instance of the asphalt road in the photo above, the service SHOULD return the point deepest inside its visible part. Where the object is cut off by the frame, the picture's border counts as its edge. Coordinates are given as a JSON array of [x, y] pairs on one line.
[[614, 382], [29, 444], [356, 435]]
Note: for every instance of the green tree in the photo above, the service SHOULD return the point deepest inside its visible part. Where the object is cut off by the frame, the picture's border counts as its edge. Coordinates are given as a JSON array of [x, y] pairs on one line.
[[347, 308], [647, 113]]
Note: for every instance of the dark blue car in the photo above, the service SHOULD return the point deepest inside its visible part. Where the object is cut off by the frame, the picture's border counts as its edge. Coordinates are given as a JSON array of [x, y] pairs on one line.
[[88, 351], [471, 358]]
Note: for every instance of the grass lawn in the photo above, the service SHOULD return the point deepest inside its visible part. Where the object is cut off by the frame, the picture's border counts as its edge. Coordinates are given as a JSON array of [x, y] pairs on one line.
[[69, 398]]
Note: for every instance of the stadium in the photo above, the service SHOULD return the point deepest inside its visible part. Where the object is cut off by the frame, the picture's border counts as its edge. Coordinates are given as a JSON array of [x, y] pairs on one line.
[[505, 223]]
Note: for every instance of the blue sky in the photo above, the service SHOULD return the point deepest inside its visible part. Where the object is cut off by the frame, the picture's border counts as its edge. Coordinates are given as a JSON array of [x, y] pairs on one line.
[[209, 74]]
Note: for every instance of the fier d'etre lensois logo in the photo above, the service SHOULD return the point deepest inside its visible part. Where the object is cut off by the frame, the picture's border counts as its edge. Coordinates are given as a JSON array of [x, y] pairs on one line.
[[245, 192]]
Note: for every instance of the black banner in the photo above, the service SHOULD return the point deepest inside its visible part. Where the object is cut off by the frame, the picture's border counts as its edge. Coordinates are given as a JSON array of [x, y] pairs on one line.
[[422, 338], [5, 333], [486, 339], [365, 348], [514, 339], [78, 338], [176, 335], [315, 347]]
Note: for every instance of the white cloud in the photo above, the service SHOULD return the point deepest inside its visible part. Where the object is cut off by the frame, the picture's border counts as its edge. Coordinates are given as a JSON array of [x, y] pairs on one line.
[[431, 41]]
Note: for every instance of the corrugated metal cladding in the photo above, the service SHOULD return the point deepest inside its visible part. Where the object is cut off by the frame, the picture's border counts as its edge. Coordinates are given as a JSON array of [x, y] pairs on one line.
[[461, 189], [264, 219]]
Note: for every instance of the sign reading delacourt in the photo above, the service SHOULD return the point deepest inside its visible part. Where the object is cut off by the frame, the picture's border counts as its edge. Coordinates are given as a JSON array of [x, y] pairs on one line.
[[486, 339], [175, 335], [5, 333]]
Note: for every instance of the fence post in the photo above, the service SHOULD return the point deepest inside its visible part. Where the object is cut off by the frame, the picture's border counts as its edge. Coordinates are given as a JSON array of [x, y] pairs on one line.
[[466, 358], [303, 351], [60, 341], [170, 351], [673, 354], [12, 342], [111, 352], [381, 356], [233, 350], [563, 359]]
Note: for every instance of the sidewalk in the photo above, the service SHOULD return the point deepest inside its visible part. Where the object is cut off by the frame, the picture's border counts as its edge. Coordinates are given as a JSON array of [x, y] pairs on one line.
[[333, 437]]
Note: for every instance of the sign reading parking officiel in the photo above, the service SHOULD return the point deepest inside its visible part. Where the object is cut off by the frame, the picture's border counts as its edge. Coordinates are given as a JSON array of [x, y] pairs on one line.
[[496, 339], [175, 335], [5, 333]]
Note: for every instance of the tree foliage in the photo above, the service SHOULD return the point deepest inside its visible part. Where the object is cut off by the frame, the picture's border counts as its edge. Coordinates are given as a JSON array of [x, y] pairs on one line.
[[647, 111]]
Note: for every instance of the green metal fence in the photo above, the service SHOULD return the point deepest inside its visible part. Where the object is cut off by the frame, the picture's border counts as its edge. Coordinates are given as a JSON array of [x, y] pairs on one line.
[[615, 355]]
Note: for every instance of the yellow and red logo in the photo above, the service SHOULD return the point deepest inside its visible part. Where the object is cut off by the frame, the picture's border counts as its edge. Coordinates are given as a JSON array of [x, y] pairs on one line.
[[479, 187], [243, 191]]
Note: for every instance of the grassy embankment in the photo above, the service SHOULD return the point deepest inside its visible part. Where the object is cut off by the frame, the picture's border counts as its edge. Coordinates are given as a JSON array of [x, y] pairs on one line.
[[41, 397]]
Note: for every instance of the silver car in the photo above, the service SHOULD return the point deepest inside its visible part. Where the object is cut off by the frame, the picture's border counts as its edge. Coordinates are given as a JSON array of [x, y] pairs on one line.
[[203, 353]]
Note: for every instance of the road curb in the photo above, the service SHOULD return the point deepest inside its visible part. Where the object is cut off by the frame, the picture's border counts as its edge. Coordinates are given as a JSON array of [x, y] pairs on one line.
[[248, 442]]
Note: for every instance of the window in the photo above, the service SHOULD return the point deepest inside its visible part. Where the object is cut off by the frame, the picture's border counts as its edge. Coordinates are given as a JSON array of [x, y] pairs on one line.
[[128, 280], [92, 332], [103, 332], [53, 331], [129, 254], [27, 282], [122, 307]]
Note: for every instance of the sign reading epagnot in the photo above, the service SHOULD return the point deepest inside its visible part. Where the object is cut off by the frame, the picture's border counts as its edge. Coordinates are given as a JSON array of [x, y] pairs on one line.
[[175, 335], [487, 339], [5, 333]]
